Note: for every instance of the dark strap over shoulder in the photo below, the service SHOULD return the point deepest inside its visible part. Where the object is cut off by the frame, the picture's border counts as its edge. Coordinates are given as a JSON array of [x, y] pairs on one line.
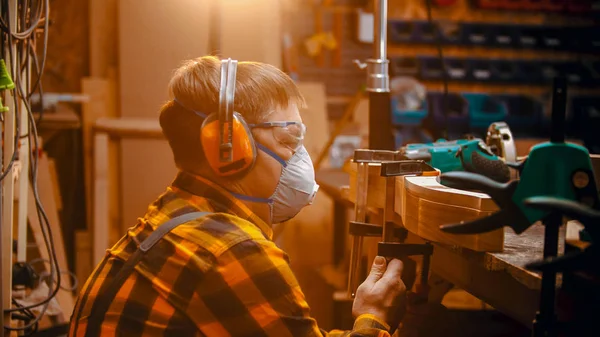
[[104, 300]]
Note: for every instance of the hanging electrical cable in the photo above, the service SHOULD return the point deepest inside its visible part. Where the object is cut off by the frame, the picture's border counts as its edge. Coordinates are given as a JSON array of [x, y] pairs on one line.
[[31, 15], [438, 43]]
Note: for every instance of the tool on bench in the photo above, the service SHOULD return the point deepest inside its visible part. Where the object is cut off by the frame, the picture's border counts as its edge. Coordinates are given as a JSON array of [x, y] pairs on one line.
[[471, 155], [580, 288], [552, 169], [392, 165], [586, 259], [500, 141]]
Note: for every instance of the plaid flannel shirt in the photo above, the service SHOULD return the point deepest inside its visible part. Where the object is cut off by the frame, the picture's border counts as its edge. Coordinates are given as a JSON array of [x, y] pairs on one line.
[[220, 275]]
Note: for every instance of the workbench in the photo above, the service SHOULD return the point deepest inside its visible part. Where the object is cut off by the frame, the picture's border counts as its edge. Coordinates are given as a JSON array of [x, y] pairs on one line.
[[499, 279]]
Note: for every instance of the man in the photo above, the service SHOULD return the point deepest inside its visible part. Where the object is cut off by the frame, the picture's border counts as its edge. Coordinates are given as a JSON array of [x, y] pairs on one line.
[[221, 274]]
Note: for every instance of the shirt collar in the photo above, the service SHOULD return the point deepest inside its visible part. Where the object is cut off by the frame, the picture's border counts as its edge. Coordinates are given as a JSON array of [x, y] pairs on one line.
[[223, 199]]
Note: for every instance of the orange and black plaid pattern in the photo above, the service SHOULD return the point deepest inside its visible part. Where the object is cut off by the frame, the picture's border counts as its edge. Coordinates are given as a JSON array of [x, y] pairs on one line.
[[220, 275]]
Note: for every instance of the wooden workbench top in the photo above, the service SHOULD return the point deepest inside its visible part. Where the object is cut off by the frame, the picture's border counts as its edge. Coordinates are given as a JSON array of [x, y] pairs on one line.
[[129, 127]]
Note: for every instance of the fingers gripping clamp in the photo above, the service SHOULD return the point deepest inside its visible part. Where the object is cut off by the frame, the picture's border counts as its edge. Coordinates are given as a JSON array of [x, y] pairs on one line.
[[226, 100]]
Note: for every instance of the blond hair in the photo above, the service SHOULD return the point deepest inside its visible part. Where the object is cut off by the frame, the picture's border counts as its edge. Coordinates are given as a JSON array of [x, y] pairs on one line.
[[260, 89]]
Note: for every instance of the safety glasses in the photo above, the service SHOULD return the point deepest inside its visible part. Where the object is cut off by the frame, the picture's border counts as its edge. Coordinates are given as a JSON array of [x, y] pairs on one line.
[[289, 134]]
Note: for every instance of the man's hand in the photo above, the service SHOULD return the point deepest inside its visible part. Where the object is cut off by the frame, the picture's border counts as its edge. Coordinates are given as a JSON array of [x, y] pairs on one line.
[[383, 293]]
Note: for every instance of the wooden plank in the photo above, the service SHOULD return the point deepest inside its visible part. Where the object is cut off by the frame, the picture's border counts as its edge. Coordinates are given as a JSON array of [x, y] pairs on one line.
[[54, 180], [7, 204], [129, 127], [412, 50], [498, 278], [102, 103], [497, 288], [462, 10], [83, 260], [101, 207], [103, 17], [47, 198], [423, 205]]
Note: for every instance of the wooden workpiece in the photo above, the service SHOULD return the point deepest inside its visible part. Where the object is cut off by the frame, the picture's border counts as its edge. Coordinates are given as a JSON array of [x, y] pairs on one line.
[[498, 278], [423, 205]]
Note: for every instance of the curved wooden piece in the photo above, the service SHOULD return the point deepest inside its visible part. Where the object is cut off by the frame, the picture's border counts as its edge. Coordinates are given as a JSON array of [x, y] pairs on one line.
[[424, 204]]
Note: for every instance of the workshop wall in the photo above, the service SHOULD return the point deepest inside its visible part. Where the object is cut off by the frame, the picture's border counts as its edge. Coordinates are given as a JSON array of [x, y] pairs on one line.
[[507, 74], [66, 63], [148, 53]]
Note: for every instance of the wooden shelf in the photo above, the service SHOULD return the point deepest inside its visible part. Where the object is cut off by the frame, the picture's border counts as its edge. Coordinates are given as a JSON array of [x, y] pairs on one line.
[[493, 88], [476, 51], [463, 11]]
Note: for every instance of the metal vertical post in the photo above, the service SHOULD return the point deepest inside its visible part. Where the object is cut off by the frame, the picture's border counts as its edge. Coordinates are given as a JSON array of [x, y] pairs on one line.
[[6, 234], [378, 83], [23, 181]]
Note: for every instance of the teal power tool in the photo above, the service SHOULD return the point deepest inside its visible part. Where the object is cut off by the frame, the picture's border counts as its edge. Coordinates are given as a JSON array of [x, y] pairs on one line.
[[553, 169], [470, 155]]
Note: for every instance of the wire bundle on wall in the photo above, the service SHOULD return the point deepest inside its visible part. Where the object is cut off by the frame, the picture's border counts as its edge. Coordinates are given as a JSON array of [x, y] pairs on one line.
[[19, 46]]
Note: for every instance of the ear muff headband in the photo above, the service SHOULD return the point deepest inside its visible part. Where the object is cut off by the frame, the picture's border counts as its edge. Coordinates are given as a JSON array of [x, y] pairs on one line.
[[228, 145]]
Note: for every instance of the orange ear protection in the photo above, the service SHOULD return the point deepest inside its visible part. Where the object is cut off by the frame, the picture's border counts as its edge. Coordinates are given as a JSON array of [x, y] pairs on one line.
[[226, 138]]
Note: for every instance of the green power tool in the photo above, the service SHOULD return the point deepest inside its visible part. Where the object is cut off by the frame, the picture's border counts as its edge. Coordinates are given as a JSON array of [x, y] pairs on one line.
[[470, 155], [552, 169]]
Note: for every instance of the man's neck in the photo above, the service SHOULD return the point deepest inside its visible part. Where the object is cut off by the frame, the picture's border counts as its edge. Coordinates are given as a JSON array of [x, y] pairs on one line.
[[260, 209]]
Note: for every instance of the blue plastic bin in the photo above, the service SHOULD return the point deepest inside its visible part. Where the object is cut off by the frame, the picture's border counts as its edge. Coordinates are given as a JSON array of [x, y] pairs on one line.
[[503, 35], [430, 68], [529, 72], [484, 110], [529, 37], [404, 66], [525, 114], [400, 31], [480, 70], [451, 33], [408, 117], [505, 71], [575, 73], [586, 121], [457, 69], [454, 119], [476, 34]]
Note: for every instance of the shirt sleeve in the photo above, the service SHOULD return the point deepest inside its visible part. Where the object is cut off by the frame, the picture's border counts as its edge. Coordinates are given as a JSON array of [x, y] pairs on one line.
[[251, 291]]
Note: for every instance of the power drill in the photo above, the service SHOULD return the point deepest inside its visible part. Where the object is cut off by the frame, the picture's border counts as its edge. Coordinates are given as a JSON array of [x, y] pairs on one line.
[[471, 155]]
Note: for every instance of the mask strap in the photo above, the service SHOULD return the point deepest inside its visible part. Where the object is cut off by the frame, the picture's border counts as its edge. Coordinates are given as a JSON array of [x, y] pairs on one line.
[[272, 154], [253, 199], [202, 115]]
